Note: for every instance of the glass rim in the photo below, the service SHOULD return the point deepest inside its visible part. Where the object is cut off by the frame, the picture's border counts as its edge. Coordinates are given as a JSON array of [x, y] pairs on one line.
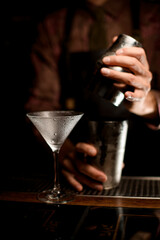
[[53, 113]]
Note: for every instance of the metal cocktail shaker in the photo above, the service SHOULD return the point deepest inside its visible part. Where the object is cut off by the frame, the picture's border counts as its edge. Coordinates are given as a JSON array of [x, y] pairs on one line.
[[109, 138], [104, 87]]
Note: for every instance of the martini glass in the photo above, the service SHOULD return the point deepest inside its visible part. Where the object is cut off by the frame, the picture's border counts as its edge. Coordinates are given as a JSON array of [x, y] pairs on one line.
[[55, 126]]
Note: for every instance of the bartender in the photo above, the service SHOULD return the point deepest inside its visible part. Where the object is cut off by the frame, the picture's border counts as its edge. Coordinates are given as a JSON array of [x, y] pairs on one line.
[[69, 41]]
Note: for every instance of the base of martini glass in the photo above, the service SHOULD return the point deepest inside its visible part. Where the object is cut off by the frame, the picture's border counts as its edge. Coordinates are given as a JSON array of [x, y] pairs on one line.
[[58, 194], [51, 196]]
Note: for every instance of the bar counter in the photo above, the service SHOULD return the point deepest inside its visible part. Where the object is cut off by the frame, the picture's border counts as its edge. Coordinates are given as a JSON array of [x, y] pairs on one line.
[[130, 211]]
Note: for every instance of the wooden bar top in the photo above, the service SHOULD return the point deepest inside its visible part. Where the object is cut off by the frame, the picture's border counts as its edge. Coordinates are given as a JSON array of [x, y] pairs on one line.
[[85, 200], [26, 190]]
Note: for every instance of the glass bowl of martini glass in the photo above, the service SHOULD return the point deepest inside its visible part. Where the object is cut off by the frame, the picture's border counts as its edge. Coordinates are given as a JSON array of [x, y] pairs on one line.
[[55, 127]]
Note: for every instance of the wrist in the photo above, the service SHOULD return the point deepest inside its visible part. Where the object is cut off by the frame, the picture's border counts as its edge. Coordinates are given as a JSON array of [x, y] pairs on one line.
[[147, 108]]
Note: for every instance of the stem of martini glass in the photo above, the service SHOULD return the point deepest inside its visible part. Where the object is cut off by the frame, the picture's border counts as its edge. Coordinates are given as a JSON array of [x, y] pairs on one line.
[[56, 187]]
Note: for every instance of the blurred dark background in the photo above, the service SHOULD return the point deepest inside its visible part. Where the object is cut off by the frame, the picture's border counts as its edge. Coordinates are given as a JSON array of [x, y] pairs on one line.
[[18, 31]]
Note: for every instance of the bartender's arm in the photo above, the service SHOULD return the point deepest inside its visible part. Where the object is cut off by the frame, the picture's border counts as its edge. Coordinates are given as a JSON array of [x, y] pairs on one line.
[[142, 101]]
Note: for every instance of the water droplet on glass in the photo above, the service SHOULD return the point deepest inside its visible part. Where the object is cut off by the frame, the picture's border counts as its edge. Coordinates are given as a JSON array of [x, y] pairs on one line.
[[53, 141]]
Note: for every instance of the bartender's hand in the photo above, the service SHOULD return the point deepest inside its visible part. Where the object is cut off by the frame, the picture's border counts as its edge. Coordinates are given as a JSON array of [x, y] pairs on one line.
[[142, 100], [75, 168]]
